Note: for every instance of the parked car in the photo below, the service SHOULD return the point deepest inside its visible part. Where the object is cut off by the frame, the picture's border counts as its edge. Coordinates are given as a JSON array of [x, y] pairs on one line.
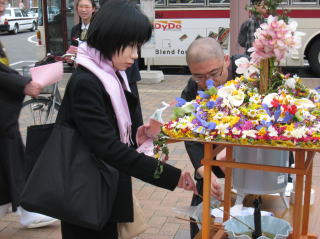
[[14, 21], [52, 12], [33, 12]]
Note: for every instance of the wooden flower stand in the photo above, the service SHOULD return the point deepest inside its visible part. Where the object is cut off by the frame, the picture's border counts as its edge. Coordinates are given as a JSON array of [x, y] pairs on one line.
[[303, 168]]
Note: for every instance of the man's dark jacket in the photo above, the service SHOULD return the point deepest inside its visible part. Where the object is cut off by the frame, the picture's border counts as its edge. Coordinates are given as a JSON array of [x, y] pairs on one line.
[[12, 165], [195, 150]]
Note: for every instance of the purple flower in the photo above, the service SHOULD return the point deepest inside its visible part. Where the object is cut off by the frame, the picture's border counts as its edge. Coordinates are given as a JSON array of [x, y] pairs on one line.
[[203, 95], [287, 118], [180, 102], [210, 83], [211, 104], [196, 105], [266, 108], [211, 125], [264, 123], [277, 115]]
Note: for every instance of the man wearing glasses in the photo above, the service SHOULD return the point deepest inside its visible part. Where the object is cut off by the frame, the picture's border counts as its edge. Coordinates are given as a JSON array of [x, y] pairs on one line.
[[206, 60]]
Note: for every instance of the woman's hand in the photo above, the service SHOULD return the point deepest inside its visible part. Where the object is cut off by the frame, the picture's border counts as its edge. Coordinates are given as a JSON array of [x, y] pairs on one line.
[[32, 89], [141, 135], [186, 182]]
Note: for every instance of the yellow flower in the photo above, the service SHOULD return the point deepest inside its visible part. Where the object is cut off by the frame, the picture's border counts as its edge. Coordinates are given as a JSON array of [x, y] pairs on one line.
[[262, 131], [214, 97], [290, 127], [252, 79]]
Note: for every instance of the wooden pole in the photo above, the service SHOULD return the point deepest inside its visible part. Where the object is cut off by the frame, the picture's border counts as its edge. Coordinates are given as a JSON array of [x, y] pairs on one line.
[[206, 212], [264, 76]]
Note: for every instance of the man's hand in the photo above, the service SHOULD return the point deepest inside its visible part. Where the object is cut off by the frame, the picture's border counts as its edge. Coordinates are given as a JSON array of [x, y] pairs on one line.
[[32, 89], [216, 189], [186, 182]]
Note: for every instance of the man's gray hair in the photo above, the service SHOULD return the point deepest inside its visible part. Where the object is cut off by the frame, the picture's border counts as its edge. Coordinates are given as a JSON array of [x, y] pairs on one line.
[[204, 49]]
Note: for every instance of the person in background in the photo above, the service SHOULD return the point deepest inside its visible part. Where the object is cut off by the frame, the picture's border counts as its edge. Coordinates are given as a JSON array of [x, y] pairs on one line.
[[98, 103], [21, 5], [85, 10], [249, 27], [206, 60], [13, 88]]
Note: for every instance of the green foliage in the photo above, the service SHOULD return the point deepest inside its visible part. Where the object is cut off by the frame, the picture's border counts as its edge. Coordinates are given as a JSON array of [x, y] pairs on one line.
[[179, 112], [212, 91]]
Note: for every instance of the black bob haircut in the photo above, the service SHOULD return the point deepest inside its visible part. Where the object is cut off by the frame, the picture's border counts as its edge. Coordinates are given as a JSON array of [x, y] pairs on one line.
[[117, 25], [93, 3], [256, 2]]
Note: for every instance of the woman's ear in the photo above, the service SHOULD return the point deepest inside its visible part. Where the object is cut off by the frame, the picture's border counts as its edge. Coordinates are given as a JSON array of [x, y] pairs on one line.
[[227, 60]]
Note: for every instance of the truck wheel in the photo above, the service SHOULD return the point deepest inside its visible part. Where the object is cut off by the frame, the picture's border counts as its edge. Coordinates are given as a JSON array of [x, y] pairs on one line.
[[314, 57]]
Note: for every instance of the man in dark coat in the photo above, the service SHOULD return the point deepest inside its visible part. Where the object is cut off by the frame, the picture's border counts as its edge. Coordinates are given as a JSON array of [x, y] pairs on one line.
[[206, 60], [13, 88]]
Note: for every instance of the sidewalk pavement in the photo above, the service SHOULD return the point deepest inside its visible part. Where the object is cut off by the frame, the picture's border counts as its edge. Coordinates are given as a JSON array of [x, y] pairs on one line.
[[156, 203]]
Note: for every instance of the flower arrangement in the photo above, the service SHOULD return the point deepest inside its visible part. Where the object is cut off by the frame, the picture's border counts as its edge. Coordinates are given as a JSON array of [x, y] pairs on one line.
[[284, 113], [237, 112], [274, 40]]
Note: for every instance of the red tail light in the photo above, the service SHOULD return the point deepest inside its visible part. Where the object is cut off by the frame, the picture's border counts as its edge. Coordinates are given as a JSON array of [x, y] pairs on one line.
[[6, 21]]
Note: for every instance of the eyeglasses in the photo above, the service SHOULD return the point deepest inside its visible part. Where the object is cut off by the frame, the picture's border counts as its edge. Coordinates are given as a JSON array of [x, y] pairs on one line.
[[214, 73], [84, 7]]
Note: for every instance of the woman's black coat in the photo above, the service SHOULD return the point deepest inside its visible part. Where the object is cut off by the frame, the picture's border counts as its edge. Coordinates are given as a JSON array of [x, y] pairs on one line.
[[12, 164], [87, 107]]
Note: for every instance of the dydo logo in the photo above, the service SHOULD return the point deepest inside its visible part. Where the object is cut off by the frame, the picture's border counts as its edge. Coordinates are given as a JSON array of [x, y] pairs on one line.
[[168, 25]]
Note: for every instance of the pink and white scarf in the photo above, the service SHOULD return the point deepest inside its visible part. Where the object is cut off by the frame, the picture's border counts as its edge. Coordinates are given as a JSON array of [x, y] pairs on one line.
[[91, 59]]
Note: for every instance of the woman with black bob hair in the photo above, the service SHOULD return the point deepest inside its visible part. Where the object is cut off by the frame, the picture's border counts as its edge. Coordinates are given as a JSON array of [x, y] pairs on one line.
[[98, 103]]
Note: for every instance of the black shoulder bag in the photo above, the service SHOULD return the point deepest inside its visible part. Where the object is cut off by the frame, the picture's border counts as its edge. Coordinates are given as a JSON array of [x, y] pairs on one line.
[[66, 180]]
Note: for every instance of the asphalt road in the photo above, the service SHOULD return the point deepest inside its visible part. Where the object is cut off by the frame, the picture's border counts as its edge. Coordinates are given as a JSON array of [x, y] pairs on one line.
[[20, 48]]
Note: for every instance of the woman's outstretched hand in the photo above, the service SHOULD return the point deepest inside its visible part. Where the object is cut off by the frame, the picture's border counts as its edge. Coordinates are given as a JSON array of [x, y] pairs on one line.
[[186, 182]]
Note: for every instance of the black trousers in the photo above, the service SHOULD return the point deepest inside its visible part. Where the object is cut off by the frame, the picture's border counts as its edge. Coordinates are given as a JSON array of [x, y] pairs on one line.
[[70, 231]]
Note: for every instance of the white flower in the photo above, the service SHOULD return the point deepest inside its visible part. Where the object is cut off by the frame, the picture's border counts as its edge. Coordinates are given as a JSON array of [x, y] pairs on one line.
[[256, 99], [231, 96], [306, 115], [252, 113], [299, 132], [235, 131], [265, 117], [289, 99], [225, 103], [314, 95], [269, 98], [222, 129], [219, 115], [235, 111], [291, 83], [236, 98], [225, 91], [249, 133], [304, 103], [272, 131], [244, 67]]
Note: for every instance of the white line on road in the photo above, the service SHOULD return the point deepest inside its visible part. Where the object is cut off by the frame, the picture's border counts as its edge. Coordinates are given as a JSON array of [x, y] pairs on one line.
[[32, 41], [19, 62]]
